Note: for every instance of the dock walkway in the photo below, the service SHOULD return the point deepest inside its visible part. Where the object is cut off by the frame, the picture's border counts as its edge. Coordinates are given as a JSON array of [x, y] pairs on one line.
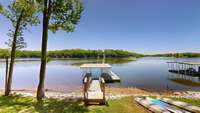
[[94, 90]]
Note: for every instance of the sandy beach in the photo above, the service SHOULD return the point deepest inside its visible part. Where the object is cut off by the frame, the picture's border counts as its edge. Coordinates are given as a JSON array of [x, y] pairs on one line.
[[111, 93]]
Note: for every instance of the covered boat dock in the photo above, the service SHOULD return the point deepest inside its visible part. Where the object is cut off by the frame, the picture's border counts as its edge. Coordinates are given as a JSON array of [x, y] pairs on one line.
[[187, 73], [94, 87], [105, 72], [186, 68]]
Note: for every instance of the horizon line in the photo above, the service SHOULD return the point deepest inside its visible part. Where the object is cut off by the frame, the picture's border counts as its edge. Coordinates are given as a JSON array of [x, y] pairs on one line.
[[107, 49]]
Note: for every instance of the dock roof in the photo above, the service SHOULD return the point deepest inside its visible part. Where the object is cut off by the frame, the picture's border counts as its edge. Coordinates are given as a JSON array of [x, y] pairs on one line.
[[188, 63], [95, 66]]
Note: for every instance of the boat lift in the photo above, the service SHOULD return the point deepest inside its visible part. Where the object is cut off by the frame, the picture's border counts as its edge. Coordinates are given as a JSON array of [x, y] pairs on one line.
[[186, 68], [189, 71]]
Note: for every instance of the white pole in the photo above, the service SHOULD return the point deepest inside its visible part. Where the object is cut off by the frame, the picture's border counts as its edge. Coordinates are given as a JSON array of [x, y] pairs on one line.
[[104, 57]]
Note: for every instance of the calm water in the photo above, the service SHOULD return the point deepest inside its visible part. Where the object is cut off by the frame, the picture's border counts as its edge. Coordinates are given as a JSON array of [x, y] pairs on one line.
[[66, 75]]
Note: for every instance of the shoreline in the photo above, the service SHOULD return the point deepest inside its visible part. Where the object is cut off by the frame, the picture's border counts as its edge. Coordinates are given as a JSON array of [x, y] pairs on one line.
[[111, 93]]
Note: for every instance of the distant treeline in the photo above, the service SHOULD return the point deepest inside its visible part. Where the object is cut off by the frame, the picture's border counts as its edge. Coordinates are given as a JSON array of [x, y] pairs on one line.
[[72, 53], [178, 55]]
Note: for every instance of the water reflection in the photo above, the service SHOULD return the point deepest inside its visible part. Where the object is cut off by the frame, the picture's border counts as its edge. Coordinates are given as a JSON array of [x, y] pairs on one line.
[[186, 73], [108, 60], [66, 75]]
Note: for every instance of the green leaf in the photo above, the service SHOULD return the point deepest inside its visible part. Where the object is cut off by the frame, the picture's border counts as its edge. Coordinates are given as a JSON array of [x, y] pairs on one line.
[[65, 15], [28, 9]]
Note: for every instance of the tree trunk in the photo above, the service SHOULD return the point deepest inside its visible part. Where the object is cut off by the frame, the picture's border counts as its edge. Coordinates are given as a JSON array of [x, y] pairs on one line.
[[6, 77], [46, 16], [12, 58]]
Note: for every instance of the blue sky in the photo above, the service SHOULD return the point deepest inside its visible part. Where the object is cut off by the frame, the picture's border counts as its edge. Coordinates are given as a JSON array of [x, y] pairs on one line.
[[145, 26]]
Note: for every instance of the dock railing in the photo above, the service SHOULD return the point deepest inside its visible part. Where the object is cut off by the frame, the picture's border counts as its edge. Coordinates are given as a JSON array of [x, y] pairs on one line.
[[86, 83], [102, 83]]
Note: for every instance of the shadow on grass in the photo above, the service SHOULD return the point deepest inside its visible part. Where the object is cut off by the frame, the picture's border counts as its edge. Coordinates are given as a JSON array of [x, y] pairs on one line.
[[18, 103], [60, 106]]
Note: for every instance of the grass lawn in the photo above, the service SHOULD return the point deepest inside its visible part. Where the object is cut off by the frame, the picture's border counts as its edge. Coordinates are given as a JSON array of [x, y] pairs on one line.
[[19, 104], [124, 105]]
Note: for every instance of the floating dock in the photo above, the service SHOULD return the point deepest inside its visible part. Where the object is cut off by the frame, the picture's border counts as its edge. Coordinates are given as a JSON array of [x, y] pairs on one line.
[[110, 77]]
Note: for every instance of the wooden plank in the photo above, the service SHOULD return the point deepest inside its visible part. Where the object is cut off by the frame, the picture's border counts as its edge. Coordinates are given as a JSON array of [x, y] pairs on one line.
[[152, 107], [95, 66], [182, 105], [94, 91], [158, 106]]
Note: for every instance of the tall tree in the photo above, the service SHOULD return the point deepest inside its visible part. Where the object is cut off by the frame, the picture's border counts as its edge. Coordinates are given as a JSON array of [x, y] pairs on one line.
[[21, 13], [57, 15], [1, 7]]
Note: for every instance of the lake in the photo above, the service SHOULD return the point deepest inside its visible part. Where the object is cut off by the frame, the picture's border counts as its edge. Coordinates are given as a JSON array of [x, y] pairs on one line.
[[65, 75]]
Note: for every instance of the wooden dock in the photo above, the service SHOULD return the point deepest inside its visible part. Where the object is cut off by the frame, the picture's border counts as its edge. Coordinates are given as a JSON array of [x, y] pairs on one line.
[[94, 90]]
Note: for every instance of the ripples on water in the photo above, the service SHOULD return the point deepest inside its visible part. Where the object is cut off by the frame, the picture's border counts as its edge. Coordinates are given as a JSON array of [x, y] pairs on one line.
[[66, 75]]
